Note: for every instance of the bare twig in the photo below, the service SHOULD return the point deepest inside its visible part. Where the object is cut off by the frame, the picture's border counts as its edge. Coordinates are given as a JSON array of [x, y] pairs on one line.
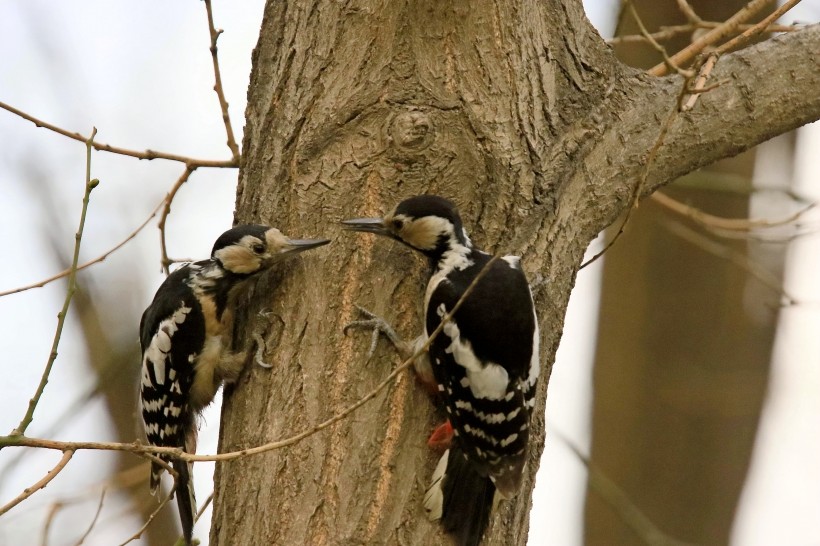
[[147, 154], [712, 37], [718, 222], [52, 513], [93, 521], [89, 263], [181, 540], [698, 87], [688, 12], [29, 491], [164, 259], [90, 184], [636, 190], [762, 26], [722, 251], [220, 93], [669, 32], [619, 501], [153, 515], [178, 453], [204, 506], [658, 47]]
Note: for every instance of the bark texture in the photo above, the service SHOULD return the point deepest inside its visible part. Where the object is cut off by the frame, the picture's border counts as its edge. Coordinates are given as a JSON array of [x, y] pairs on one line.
[[516, 111]]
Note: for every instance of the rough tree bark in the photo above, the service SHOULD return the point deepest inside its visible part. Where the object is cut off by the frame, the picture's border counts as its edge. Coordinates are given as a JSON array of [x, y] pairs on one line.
[[519, 113]]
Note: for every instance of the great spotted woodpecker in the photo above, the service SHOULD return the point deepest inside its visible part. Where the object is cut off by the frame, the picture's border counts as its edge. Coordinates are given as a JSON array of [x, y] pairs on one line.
[[485, 363], [184, 356]]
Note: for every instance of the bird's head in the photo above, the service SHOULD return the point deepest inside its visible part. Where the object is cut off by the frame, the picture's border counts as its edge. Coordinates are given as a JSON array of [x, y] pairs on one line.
[[249, 249], [427, 223]]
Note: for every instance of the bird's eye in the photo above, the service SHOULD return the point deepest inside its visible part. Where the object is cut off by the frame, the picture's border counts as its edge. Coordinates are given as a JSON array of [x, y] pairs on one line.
[[258, 248], [397, 224]]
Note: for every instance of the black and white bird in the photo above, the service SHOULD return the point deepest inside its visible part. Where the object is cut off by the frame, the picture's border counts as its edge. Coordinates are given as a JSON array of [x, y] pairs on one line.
[[184, 354], [485, 363]]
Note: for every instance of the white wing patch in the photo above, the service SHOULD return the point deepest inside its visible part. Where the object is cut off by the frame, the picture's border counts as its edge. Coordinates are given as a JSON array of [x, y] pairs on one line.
[[490, 418], [434, 496], [157, 351], [486, 379], [514, 261]]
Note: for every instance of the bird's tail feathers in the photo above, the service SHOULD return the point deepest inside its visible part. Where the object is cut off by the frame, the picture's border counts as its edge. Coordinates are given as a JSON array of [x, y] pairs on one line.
[[186, 500], [155, 478], [460, 497]]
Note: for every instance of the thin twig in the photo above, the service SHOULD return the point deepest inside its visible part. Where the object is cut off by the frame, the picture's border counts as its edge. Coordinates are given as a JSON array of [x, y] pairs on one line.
[[636, 190], [620, 502], [204, 506], [712, 37], [147, 154], [90, 184], [665, 33], [89, 263], [658, 47], [762, 26], [688, 11], [29, 491], [718, 222], [52, 513], [739, 259], [165, 261], [669, 32], [220, 93], [151, 517], [181, 540], [698, 87], [178, 453], [93, 521]]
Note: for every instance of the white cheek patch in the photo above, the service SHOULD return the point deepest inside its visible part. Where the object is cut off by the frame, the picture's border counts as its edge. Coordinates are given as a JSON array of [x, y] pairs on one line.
[[238, 259], [486, 380], [156, 354], [275, 241], [424, 232]]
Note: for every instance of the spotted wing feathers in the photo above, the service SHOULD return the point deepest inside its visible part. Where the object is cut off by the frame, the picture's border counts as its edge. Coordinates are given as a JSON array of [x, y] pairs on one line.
[[171, 330], [486, 366]]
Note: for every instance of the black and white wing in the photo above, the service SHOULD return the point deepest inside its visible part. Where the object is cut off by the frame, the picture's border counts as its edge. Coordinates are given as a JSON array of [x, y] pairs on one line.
[[171, 334]]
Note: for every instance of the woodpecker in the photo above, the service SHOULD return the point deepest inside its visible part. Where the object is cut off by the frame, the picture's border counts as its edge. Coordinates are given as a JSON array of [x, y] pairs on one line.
[[184, 354], [485, 363]]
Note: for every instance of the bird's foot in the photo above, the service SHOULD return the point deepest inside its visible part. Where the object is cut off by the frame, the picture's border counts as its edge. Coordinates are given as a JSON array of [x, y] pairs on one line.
[[263, 325], [378, 326]]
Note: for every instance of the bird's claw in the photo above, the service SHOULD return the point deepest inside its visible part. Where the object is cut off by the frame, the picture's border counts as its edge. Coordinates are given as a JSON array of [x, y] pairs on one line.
[[261, 345], [378, 326]]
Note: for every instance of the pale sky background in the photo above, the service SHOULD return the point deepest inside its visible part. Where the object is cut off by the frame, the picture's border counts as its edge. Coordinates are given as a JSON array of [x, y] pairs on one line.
[[141, 73]]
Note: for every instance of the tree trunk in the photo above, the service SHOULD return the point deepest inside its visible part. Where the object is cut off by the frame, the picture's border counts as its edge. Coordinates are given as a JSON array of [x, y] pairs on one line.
[[521, 115]]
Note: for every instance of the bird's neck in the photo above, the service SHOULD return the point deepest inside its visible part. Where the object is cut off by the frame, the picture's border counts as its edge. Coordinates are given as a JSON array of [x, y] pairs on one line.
[[454, 255]]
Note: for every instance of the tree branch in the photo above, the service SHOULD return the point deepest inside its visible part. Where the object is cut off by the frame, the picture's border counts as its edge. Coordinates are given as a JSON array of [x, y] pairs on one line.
[[29, 491], [710, 38], [165, 261], [220, 92], [771, 89], [90, 184], [147, 154], [98, 259]]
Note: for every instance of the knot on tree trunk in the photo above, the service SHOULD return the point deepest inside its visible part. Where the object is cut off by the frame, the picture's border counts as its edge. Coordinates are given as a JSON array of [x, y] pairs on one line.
[[411, 131]]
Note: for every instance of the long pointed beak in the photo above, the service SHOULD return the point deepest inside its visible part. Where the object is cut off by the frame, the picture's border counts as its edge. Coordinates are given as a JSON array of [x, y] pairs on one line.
[[367, 225], [295, 246]]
